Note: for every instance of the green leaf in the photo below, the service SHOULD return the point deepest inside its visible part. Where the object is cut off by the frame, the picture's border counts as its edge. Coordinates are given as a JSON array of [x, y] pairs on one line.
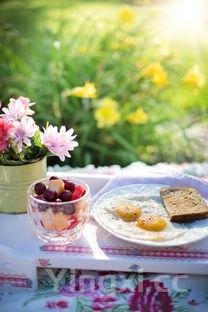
[[123, 142], [120, 308], [83, 305], [40, 296], [37, 139], [47, 125]]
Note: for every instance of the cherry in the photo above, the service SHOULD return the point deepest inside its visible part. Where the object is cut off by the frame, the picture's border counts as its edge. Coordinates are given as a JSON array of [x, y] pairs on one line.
[[65, 196], [78, 192], [40, 197], [40, 188], [53, 178], [70, 186], [50, 196]]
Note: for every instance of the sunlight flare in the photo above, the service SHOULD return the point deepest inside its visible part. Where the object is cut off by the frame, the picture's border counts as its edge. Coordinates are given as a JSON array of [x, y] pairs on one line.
[[187, 17]]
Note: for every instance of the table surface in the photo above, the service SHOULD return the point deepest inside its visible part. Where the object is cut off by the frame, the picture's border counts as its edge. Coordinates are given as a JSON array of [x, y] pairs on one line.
[[110, 291]]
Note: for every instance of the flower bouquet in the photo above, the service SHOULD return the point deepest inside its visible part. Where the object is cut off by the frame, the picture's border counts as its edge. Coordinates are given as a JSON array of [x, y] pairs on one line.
[[23, 151]]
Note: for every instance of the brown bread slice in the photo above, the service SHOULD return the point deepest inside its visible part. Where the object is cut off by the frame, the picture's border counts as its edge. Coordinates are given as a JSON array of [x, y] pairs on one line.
[[183, 204]]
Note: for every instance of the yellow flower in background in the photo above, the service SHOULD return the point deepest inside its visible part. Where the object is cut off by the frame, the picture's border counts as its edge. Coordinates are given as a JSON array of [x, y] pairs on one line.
[[138, 117], [157, 73], [88, 91], [126, 15], [83, 50], [195, 78], [160, 79], [152, 70], [107, 113]]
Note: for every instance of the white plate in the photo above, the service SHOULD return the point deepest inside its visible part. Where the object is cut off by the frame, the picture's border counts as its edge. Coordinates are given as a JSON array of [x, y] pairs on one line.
[[194, 231]]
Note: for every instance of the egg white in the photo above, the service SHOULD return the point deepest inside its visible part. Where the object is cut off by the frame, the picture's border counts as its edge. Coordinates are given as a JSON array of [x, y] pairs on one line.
[[106, 214]]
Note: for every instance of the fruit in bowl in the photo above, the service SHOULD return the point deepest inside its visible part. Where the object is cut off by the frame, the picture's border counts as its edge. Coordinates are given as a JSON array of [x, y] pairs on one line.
[[58, 206]]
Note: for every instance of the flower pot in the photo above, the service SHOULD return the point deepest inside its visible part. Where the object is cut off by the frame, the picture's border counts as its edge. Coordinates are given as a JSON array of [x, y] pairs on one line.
[[14, 181]]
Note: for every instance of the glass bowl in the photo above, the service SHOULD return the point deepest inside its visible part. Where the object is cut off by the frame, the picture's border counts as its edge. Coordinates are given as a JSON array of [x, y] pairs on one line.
[[59, 223]]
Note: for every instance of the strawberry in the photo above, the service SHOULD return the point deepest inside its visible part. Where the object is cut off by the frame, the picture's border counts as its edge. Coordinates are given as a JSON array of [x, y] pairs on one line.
[[78, 192], [73, 222]]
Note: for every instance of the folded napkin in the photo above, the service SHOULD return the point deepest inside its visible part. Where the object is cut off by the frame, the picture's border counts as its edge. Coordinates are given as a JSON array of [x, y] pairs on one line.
[[180, 180]]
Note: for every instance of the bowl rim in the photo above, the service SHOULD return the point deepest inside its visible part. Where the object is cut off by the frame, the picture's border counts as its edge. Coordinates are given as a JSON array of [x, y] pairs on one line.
[[75, 180]]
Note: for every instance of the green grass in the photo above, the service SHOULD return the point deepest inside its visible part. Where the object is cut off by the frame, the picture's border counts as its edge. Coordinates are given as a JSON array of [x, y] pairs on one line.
[[42, 56]]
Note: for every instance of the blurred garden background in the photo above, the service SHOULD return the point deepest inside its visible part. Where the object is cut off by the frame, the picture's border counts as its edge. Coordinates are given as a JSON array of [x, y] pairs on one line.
[[129, 76]]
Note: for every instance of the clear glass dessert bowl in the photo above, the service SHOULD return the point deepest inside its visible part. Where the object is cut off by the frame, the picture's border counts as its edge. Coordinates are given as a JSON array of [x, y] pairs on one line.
[[59, 214]]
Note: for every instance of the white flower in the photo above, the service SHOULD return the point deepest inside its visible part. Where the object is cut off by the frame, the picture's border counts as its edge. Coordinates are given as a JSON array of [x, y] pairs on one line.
[[59, 143], [57, 44], [17, 109], [22, 132]]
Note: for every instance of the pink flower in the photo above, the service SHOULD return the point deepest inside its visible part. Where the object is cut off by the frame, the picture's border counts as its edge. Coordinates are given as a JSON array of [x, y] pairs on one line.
[[151, 296], [125, 290], [51, 305], [17, 109], [61, 304], [25, 101], [103, 302], [5, 128], [22, 132], [59, 143]]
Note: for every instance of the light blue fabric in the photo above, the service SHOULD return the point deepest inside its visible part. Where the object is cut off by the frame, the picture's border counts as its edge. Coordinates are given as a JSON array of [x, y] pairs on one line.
[[180, 180]]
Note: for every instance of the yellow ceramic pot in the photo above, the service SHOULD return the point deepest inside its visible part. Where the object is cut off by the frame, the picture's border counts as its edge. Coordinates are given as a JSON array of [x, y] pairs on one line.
[[14, 181]]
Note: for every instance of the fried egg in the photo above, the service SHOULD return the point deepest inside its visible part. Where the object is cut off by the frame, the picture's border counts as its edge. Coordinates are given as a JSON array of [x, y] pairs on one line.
[[153, 224], [128, 212]]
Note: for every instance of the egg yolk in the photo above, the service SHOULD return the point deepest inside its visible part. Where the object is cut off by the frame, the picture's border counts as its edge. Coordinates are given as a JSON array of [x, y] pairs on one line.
[[151, 223], [128, 212]]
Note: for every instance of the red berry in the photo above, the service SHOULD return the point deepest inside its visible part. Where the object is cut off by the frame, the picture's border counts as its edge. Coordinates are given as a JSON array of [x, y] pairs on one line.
[[40, 188], [78, 192], [50, 196], [40, 197], [73, 223], [65, 196], [70, 186], [53, 178]]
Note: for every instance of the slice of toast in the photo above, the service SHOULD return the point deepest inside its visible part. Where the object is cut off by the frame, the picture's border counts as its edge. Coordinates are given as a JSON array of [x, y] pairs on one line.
[[184, 204]]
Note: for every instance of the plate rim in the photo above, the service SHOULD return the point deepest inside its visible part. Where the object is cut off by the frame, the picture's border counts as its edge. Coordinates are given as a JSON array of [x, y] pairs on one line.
[[138, 241]]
